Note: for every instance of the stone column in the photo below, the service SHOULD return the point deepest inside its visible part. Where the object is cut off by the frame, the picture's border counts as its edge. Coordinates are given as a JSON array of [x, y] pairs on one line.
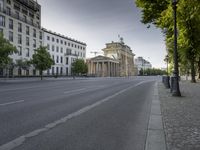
[[115, 70], [108, 68], [97, 69], [103, 69], [112, 69]]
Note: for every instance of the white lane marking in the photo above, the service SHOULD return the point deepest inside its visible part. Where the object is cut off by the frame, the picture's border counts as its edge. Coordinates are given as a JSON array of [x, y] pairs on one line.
[[77, 90], [10, 103], [83, 90], [20, 140]]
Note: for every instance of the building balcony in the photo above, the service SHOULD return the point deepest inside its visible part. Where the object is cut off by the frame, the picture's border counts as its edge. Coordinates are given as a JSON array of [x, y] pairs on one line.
[[31, 4], [70, 54], [19, 18]]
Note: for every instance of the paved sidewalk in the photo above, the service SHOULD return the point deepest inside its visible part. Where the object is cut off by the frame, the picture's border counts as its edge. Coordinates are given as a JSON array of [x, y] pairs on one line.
[[181, 116]]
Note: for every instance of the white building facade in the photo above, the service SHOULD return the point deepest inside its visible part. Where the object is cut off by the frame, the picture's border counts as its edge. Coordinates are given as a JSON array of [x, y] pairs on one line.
[[20, 23], [64, 51], [142, 64]]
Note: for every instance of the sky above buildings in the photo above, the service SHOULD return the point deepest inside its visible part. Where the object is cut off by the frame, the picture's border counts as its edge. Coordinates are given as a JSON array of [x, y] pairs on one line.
[[97, 22]]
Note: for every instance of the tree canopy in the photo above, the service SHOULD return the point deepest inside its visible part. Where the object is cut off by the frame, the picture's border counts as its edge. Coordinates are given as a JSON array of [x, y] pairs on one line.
[[6, 49], [160, 14], [79, 67], [42, 60]]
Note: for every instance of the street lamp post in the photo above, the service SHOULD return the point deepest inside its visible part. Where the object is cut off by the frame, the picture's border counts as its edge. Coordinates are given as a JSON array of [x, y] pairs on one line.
[[167, 85], [175, 86]]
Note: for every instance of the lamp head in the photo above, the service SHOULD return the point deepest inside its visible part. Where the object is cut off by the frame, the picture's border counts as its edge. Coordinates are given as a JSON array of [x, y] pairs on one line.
[[174, 2]]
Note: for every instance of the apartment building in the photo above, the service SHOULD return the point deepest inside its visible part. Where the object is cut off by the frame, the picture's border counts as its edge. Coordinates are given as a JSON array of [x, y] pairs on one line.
[[20, 23], [64, 51]]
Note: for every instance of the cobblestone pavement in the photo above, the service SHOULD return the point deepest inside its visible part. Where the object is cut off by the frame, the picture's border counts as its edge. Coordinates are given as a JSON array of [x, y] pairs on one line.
[[181, 116]]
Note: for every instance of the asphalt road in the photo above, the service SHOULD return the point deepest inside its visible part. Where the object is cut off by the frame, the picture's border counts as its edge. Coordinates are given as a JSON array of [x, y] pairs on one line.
[[82, 114]]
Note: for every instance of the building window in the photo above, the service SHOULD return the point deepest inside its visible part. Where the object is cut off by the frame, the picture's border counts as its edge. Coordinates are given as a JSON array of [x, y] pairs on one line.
[[19, 71], [27, 30], [75, 46], [32, 21], [57, 70], [34, 43], [40, 43], [57, 59], [27, 41], [68, 51], [53, 47], [57, 49], [72, 45], [53, 57], [8, 11], [19, 50], [61, 41], [16, 6], [9, 2], [34, 72], [57, 40], [40, 35], [24, 18], [19, 39], [10, 24], [48, 38], [17, 14], [67, 60], [10, 36], [68, 44], [27, 52], [61, 59], [61, 50], [65, 43], [53, 39], [34, 33], [2, 21], [66, 70], [19, 27], [48, 47], [61, 70], [1, 30], [52, 70], [38, 24]]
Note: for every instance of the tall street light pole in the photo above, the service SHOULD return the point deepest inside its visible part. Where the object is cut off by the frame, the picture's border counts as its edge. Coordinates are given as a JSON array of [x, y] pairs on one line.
[[175, 89]]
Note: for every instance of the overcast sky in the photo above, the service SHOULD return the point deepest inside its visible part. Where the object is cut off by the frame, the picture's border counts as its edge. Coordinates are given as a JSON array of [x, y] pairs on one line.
[[97, 22]]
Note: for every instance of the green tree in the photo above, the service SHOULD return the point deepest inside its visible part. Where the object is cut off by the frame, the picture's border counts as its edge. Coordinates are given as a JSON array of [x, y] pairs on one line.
[[160, 13], [42, 60], [6, 49], [79, 67]]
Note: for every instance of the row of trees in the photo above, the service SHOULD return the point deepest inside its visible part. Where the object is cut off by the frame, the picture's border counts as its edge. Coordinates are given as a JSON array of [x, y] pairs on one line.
[[160, 14], [152, 72]]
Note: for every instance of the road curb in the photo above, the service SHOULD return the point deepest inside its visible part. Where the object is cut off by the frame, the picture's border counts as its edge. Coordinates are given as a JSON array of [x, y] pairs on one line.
[[155, 133]]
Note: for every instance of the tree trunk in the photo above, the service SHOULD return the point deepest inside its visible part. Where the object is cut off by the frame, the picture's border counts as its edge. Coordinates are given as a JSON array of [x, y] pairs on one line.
[[193, 80], [199, 68], [41, 74]]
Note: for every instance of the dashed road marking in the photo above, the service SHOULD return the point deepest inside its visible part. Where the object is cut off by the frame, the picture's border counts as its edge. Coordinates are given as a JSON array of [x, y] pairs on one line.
[[10, 103]]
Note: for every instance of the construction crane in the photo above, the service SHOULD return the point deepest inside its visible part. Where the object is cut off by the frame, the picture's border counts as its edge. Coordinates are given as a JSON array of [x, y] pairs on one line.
[[95, 53]]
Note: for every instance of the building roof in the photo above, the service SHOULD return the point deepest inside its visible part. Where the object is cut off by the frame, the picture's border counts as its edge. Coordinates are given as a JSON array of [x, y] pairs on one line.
[[62, 36]]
